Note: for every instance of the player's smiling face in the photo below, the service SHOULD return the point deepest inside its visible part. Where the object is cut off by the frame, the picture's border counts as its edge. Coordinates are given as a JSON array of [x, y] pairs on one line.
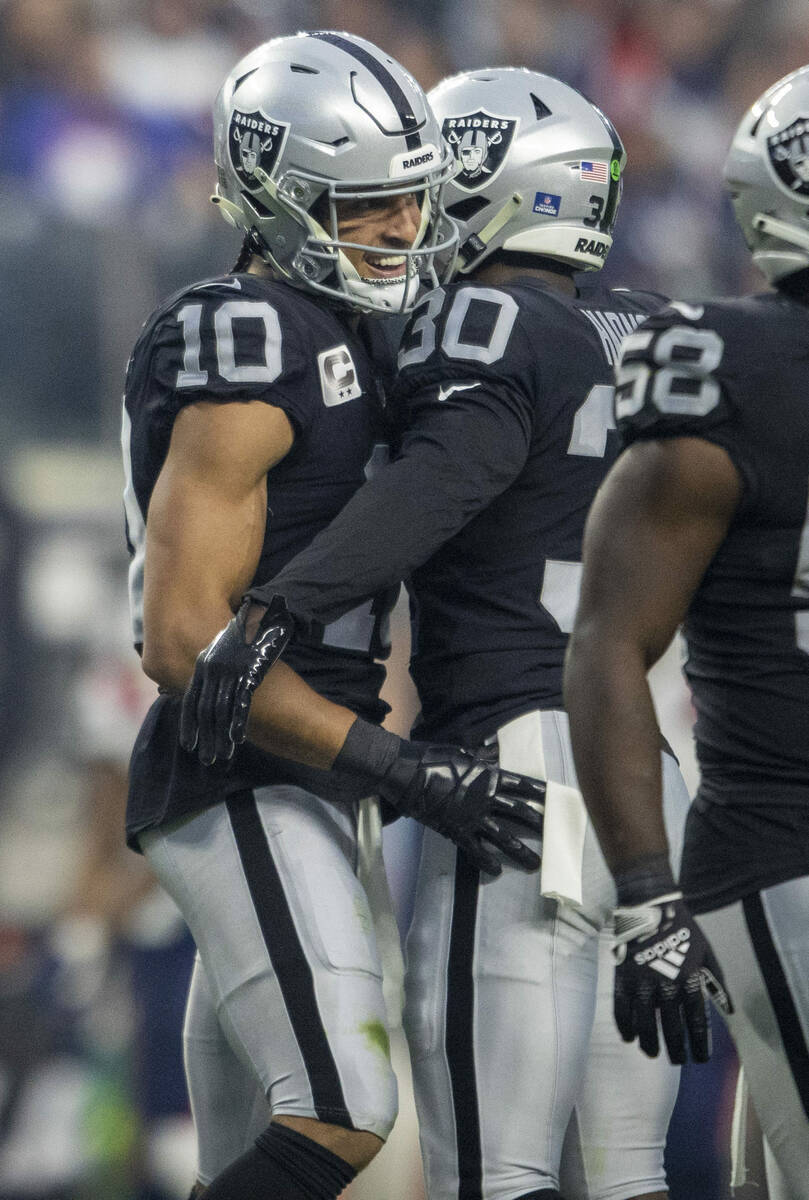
[[391, 223]]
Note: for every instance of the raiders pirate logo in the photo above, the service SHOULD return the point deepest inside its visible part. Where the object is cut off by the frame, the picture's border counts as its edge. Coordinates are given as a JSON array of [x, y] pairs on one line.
[[789, 155], [254, 141], [479, 141]]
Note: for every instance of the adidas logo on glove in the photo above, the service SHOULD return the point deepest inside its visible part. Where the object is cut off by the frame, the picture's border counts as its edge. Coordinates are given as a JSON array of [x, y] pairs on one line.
[[668, 955], [664, 964]]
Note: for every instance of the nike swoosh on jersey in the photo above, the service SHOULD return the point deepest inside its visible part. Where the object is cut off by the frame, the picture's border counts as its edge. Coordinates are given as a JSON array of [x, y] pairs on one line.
[[444, 394]]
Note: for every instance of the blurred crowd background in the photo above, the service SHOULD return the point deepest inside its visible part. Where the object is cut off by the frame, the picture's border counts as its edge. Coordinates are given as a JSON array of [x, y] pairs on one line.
[[105, 173]]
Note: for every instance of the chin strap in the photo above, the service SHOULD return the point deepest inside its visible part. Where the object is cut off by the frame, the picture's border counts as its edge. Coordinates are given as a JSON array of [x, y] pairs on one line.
[[235, 217], [478, 243]]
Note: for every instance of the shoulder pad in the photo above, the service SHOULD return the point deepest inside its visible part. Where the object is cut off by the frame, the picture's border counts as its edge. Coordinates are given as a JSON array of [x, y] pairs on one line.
[[646, 301], [221, 338]]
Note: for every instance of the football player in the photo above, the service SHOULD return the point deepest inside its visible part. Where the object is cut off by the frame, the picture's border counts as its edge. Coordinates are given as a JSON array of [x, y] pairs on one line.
[[703, 520], [250, 415], [505, 379]]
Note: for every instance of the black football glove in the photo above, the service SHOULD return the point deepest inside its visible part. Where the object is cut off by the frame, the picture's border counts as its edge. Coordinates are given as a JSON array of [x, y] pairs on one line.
[[216, 704], [467, 799], [664, 964]]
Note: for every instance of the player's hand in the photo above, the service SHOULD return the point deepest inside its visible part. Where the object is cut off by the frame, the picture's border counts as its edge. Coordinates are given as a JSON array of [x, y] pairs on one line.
[[474, 803], [216, 704], [664, 965]]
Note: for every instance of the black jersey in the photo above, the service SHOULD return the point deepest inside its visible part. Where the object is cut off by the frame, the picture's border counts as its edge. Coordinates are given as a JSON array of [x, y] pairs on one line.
[[496, 603], [733, 372], [237, 339], [506, 398]]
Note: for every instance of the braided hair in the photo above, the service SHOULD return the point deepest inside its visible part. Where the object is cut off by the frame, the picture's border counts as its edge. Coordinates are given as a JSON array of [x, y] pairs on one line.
[[245, 254]]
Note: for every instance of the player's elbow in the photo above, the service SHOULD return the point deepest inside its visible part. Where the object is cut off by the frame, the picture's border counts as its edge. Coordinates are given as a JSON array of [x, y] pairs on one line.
[[601, 660], [167, 660], [593, 655]]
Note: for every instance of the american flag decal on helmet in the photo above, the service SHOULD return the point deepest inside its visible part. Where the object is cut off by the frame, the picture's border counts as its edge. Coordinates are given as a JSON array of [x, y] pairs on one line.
[[596, 172]]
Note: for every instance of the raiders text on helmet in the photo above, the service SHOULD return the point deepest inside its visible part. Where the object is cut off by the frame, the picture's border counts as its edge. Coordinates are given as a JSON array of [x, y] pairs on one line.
[[539, 167], [767, 174], [305, 121]]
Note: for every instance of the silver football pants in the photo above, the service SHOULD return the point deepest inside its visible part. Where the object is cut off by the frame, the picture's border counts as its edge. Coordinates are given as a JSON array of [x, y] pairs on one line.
[[522, 1081], [287, 1000], [762, 944]]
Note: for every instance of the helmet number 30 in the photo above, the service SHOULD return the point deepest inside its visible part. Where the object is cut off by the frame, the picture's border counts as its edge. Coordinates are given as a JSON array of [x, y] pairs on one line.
[[680, 383]]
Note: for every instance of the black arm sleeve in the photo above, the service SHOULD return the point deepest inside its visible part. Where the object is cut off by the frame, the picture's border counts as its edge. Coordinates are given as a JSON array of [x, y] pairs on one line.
[[453, 461]]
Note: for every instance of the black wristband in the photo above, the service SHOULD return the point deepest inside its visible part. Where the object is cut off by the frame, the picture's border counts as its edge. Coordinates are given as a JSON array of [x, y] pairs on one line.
[[368, 750], [644, 879]]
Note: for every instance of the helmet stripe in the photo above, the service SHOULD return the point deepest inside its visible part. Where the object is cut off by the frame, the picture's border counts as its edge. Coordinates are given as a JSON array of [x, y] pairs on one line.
[[386, 79]]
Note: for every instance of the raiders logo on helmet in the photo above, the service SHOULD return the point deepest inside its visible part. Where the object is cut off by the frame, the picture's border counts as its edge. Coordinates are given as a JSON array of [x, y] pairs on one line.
[[254, 141], [479, 140], [789, 155]]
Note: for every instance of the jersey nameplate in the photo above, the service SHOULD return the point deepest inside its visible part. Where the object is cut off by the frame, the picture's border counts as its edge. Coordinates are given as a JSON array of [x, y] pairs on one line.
[[338, 376], [612, 328]]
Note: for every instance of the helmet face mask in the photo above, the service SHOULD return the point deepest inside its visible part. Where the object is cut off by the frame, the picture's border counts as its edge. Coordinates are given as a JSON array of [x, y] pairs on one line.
[[326, 254], [539, 168], [767, 175], [304, 122]]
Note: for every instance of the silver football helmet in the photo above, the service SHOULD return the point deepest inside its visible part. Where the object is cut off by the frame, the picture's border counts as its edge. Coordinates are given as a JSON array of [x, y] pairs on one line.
[[767, 175], [303, 122], [540, 167]]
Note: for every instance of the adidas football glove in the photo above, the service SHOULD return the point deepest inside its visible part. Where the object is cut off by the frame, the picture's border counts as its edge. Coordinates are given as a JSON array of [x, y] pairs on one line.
[[216, 704], [664, 965]]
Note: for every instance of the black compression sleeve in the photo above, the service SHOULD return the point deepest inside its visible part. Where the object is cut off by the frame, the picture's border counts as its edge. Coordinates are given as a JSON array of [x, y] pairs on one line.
[[454, 461]]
